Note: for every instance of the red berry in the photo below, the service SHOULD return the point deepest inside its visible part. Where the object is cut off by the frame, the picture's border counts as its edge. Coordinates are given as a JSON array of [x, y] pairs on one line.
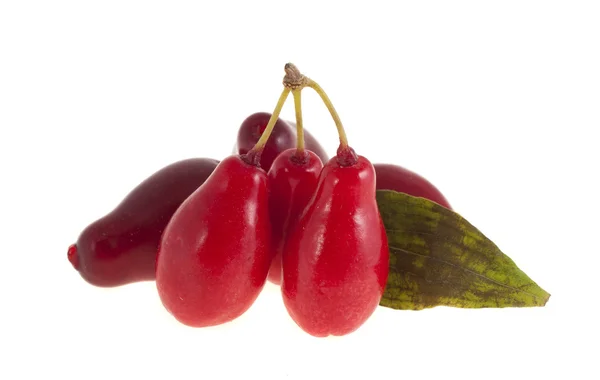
[[215, 253], [283, 137], [293, 179], [397, 178], [335, 261], [120, 248]]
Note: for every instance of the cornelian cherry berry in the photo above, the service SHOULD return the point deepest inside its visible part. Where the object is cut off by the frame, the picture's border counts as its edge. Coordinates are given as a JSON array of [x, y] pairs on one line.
[[215, 253], [120, 248], [335, 262], [292, 180], [335, 259]]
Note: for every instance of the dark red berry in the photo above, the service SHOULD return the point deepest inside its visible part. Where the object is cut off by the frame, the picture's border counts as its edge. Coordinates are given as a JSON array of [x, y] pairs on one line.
[[121, 247]]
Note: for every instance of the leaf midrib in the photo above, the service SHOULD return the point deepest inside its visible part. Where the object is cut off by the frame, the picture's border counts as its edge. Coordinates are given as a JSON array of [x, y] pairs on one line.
[[467, 270]]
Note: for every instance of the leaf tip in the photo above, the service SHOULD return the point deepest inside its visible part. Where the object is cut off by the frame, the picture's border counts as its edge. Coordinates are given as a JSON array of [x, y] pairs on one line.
[[546, 298]]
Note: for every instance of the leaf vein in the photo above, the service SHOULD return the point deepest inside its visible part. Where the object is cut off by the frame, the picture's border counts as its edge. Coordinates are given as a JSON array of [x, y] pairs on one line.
[[466, 270]]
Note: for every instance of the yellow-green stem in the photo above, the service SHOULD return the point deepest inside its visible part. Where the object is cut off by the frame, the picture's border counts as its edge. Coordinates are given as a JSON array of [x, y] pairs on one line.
[[338, 122], [260, 144], [299, 127]]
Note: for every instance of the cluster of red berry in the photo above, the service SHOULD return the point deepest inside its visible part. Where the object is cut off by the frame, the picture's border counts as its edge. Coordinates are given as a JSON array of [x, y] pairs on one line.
[[210, 233]]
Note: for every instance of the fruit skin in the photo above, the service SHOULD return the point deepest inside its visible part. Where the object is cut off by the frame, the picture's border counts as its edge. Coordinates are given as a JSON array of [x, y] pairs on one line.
[[283, 137], [335, 262], [215, 253], [292, 182], [394, 177], [121, 247]]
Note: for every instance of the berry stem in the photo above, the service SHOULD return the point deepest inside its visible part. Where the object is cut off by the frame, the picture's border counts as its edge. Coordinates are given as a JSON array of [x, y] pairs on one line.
[[260, 144], [253, 155], [299, 127], [336, 118], [296, 81]]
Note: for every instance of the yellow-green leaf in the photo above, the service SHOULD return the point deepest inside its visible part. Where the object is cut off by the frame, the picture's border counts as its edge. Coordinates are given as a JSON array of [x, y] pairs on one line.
[[437, 258]]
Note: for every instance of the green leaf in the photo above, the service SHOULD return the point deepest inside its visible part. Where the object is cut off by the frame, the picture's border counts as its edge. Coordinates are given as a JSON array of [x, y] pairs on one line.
[[437, 258]]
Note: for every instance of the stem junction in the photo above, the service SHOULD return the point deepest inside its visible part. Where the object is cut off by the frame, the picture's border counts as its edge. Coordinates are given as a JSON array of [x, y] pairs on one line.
[[294, 81]]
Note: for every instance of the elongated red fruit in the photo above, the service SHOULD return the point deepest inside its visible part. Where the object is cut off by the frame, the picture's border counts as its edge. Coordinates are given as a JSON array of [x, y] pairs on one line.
[[293, 180], [397, 178], [335, 261], [283, 137], [121, 247], [215, 253]]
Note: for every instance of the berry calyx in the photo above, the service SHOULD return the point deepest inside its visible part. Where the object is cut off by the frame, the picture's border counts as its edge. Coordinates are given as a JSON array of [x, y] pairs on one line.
[[346, 156]]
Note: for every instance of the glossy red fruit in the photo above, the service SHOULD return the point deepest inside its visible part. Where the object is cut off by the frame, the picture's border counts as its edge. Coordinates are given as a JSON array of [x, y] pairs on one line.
[[292, 182], [335, 261], [121, 247], [215, 253], [283, 137], [397, 178]]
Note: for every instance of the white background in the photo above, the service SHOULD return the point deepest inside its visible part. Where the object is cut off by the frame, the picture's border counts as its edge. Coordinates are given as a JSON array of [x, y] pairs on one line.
[[497, 103]]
